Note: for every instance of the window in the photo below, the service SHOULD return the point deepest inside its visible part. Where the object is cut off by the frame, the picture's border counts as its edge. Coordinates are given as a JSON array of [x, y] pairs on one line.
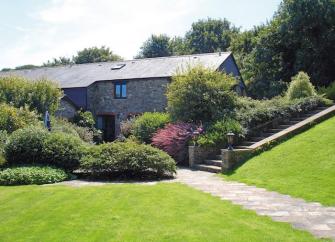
[[120, 90], [117, 66]]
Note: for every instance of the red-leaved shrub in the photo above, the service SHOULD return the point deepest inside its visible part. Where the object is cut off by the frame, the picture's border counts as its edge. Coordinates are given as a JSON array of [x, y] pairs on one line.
[[174, 138]]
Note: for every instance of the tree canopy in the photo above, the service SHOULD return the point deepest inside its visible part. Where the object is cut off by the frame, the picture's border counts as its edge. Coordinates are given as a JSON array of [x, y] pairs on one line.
[[300, 37], [95, 54], [156, 46], [210, 35]]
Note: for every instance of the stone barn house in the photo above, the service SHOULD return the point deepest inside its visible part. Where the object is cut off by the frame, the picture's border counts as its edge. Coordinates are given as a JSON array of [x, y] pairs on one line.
[[114, 91]]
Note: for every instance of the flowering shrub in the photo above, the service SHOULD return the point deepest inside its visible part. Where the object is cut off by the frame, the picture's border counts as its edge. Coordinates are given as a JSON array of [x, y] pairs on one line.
[[174, 138], [127, 127]]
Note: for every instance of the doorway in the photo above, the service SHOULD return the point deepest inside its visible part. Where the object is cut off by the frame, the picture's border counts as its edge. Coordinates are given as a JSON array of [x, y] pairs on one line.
[[107, 124]]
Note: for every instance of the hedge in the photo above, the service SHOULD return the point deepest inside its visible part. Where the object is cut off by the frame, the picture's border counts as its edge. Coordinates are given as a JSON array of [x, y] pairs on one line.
[[128, 158], [27, 175]]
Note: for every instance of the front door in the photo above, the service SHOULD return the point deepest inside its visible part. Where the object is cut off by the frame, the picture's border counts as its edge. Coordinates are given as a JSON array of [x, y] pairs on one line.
[[107, 124]]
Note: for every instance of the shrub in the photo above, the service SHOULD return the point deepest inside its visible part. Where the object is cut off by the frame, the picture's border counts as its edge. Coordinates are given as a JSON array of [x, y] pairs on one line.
[[26, 146], [300, 87], [62, 150], [329, 91], [39, 95], [12, 118], [251, 113], [3, 140], [62, 125], [174, 138], [127, 158], [200, 94], [84, 119], [127, 127], [27, 175], [147, 124], [216, 134]]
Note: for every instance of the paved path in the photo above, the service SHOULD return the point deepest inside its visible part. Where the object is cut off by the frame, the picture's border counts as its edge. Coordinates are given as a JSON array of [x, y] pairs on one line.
[[310, 216]]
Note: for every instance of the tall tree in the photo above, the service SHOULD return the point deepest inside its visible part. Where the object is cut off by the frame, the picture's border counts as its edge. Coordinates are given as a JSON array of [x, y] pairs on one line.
[[156, 46], [300, 37], [95, 54], [210, 35]]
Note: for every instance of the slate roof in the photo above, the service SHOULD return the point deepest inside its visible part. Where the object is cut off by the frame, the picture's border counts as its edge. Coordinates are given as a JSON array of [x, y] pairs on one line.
[[83, 75]]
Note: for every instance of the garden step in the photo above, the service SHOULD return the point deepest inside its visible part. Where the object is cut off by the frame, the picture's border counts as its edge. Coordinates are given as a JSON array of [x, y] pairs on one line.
[[293, 122], [255, 139], [267, 134], [274, 130], [284, 126], [297, 119], [243, 147], [213, 162], [208, 168], [218, 157], [248, 143]]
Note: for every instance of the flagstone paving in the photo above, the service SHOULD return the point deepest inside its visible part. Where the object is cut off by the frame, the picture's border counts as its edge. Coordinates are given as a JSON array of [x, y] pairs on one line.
[[310, 216]]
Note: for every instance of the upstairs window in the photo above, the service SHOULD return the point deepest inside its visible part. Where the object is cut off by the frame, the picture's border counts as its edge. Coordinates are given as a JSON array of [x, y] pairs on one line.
[[120, 90]]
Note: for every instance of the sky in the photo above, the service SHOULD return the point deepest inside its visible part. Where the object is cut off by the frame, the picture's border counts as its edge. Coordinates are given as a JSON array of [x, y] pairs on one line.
[[34, 31]]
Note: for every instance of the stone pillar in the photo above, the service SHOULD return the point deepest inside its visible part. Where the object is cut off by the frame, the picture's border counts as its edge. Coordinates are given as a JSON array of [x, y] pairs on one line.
[[228, 159], [231, 158]]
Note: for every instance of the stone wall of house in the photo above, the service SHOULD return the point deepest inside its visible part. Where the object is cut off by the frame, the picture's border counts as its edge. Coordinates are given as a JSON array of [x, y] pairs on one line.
[[143, 95], [66, 109]]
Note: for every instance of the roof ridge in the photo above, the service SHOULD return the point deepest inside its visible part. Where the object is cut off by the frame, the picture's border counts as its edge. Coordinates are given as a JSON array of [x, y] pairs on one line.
[[120, 61]]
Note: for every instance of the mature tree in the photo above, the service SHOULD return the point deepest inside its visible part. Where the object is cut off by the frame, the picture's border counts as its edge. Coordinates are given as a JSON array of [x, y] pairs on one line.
[[308, 39], [242, 46], [156, 46], [179, 46], [300, 37], [58, 62], [95, 54], [210, 35]]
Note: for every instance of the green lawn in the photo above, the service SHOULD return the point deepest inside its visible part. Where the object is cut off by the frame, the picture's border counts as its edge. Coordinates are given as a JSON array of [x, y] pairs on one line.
[[303, 166], [163, 212]]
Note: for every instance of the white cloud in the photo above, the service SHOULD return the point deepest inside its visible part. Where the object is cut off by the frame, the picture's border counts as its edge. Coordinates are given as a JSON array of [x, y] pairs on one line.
[[63, 27]]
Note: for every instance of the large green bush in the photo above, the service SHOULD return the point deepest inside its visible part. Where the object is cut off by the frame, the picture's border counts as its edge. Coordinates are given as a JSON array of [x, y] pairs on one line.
[[216, 134], [200, 94], [62, 125], [251, 113], [147, 124], [329, 91], [62, 150], [300, 87], [85, 119], [39, 95], [128, 158], [26, 146], [27, 175], [12, 118]]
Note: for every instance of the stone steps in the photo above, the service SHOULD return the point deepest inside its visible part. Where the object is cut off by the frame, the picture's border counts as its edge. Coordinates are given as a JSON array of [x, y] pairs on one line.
[[218, 164], [213, 162], [209, 168]]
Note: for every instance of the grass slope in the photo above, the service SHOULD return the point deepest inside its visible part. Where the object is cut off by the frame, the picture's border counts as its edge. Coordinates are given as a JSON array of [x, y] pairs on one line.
[[163, 212], [303, 166]]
